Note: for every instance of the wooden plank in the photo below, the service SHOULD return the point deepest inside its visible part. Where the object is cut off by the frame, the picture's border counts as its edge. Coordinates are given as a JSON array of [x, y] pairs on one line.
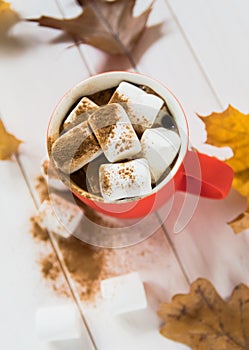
[[218, 34], [206, 246], [34, 75], [33, 86], [23, 289]]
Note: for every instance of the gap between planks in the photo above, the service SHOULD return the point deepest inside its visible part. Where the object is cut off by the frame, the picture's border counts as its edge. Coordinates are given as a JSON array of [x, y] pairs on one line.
[[195, 56]]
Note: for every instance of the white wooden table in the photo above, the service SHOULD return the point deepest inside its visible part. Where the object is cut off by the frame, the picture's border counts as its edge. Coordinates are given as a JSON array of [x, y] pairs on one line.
[[202, 55]]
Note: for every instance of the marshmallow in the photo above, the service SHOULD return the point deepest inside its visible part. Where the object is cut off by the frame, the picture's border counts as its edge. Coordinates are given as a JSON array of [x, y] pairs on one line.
[[75, 148], [125, 180], [56, 323], [160, 147], [59, 216], [49, 173], [92, 174], [141, 107], [113, 129], [123, 294], [80, 113]]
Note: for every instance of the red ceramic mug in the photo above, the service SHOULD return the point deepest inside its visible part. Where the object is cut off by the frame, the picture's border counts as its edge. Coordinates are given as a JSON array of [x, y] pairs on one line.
[[192, 172]]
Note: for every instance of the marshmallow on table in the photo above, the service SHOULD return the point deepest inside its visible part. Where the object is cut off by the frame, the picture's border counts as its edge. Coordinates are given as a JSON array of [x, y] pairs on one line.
[[56, 323], [75, 148], [125, 180], [59, 216], [50, 175], [92, 174], [124, 293], [141, 107], [160, 147], [80, 113], [113, 129]]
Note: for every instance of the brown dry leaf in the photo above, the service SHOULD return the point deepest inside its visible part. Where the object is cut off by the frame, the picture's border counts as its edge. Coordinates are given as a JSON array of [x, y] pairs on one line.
[[8, 143], [107, 25], [8, 17], [231, 128], [204, 321]]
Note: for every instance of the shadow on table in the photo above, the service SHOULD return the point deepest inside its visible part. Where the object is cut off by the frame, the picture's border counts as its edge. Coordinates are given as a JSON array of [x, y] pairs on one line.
[[11, 45], [121, 62], [73, 344]]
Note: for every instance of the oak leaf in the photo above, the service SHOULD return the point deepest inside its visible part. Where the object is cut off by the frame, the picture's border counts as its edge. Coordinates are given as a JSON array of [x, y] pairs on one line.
[[231, 128], [8, 143], [107, 25], [204, 321], [8, 17]]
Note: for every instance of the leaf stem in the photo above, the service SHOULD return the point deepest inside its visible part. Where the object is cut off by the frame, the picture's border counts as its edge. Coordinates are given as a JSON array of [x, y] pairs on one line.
[[200, 292], [126, 52]]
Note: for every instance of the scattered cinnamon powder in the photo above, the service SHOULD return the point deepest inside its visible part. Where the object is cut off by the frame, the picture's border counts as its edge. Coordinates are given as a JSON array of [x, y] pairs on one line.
[[38, 232], [104, 176], [45, 166], [49, 267], [51, 272], [42, 188], [127, 172], [86, 264], [50, 141], [84, 106], [117, 97], [102, 97]]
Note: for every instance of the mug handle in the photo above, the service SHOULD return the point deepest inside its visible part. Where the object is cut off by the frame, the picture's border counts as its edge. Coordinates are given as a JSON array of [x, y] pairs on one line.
[[205, 176]]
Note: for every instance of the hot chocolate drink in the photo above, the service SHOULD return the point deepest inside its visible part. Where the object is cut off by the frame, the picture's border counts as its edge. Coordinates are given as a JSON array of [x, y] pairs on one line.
[[118, 143]]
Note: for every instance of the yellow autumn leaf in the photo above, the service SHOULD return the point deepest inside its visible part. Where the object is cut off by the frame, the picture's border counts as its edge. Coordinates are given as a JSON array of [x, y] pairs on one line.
[[231, 128], [8, 143], [8, 17]]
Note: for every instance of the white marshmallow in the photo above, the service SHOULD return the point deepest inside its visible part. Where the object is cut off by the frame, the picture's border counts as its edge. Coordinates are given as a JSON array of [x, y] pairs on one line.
[[92, 174], [80, 113], [159, 146], [50, 175], [123, 294], [59, 216], [125, 180], [75, 148], [141, 107], [113, 129], [56, 323]]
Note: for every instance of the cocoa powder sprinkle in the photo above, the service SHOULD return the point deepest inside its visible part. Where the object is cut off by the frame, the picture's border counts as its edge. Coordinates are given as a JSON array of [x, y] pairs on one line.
[[103, 123], [49, 267], [42, 188], [38, 232], [77, 143]]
